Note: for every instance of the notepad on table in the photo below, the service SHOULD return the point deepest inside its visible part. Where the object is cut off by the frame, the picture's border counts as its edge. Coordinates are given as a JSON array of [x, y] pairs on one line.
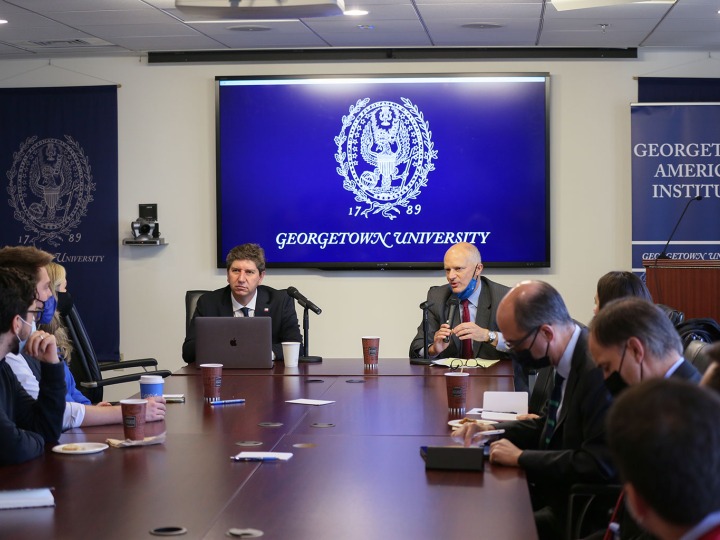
[[26, 498]]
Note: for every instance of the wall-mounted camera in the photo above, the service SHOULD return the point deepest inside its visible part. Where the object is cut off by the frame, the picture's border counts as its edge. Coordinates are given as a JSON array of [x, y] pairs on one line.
[[145, 229]]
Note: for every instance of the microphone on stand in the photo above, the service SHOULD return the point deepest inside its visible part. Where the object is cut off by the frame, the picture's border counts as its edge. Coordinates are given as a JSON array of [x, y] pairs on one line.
[[454, 306], [307, 305], [664, 254], [425, 360]]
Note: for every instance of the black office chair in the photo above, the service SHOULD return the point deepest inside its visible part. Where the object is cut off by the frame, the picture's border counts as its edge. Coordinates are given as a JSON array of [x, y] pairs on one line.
[[88, 371], [590, 508], [191, 300], [695, 354]]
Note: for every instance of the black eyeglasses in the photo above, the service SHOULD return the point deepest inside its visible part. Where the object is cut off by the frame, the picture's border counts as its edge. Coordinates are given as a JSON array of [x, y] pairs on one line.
[[458, 363], [37, 313], [512, 344]]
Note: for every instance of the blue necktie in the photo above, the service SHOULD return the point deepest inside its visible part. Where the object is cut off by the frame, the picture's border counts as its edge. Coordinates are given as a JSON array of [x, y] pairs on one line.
[[245, 311], [553, 406]]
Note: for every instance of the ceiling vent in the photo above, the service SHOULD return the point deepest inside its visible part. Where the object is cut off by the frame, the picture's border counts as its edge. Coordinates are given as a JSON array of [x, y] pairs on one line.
[[83, 43], [259, 9]]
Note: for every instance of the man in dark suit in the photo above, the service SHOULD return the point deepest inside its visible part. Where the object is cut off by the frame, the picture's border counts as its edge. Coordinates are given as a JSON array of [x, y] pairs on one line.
[[566, 444], [463, 266], [632, 340], [664, 435], [245, 297]]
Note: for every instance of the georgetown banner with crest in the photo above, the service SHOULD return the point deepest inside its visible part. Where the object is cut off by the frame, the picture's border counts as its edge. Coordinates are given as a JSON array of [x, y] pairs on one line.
[[59, 155]]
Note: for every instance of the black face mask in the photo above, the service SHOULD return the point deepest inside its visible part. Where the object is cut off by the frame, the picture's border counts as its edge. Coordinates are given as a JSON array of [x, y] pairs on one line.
[[615, 384], [526, 359], [64, 303]]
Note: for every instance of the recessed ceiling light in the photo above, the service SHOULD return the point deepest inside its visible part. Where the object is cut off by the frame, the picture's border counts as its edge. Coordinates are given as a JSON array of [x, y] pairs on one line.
[[482, 26], [249, 28], [3, 21], [355, 12]]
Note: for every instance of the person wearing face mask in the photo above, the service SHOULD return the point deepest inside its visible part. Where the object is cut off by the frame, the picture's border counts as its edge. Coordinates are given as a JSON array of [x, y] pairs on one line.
[[477, 337], [26, 424], [566, 444], [33, 262], [631, 341]]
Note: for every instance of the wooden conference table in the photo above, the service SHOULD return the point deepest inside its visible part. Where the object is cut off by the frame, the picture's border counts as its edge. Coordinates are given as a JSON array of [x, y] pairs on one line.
[[355, 471]]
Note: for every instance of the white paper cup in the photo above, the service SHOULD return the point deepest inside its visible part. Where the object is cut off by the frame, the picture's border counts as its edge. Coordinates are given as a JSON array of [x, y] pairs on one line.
[[291, 353]]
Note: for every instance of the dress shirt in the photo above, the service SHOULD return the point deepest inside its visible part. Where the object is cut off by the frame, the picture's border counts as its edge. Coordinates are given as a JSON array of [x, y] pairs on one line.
[[563, 367], [710, 522], [237, 305], [674, 367]]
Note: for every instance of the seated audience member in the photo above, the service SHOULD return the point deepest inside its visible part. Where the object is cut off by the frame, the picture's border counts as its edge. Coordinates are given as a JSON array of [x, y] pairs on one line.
[[244, 296], [566, 445], [476, 337], [632, 340], [619, 284], [26, 424], [664, 436], [711, 377], [33, 262]]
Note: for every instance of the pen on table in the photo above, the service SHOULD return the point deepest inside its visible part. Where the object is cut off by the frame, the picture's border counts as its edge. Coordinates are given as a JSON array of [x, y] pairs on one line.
[[227, 401], [235, 458]]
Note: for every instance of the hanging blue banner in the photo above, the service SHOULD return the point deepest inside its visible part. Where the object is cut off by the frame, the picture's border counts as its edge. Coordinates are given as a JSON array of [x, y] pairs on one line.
[[675, 169], [59, 153]]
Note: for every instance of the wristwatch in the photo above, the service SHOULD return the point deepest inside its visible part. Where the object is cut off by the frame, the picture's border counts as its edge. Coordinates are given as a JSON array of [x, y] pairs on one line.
[[492, 336]]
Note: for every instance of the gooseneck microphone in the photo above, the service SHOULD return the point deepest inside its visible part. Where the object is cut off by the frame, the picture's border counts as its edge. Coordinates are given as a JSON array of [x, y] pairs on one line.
[[664, 254], [304, 302], [454, 305]]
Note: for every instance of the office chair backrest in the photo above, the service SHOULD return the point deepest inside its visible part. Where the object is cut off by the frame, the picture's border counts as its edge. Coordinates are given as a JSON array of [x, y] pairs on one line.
[[84, 365], [191, 299], [696, 355]]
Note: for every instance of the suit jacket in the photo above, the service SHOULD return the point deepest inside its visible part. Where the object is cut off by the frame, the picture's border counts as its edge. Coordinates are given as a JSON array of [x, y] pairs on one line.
[[270, 302], [490, 295], [577, 452]]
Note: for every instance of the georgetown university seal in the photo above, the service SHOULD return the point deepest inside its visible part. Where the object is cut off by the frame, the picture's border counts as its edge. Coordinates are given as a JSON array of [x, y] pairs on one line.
[[50, 188], [385, 153]]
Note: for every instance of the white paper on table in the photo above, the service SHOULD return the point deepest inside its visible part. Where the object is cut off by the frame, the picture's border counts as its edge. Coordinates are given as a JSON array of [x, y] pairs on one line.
[[502, 406], [309, 401]]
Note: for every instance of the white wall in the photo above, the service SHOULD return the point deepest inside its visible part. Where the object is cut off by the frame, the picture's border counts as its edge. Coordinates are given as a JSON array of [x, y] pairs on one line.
[[166, 155]]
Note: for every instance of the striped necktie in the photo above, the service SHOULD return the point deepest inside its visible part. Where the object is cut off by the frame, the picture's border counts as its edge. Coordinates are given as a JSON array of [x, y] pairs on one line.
[[553, 406]]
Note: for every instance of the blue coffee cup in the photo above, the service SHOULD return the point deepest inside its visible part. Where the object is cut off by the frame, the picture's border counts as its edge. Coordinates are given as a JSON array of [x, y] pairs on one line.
[[151, 386]]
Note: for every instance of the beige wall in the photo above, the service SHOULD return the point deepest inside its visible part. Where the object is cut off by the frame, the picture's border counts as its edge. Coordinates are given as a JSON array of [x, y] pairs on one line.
[[166, 155]]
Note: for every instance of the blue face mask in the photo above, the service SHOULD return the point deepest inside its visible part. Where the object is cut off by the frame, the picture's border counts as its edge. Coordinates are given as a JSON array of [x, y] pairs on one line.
[[48, 310], [22, 343], [467, 293]]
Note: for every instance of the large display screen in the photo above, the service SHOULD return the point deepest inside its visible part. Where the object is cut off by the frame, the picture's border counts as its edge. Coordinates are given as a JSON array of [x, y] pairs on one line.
[[384, 172]]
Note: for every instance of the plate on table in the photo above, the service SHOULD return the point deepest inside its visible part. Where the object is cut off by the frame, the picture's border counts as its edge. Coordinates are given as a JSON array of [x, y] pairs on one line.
[[80, 448], [462, 421]]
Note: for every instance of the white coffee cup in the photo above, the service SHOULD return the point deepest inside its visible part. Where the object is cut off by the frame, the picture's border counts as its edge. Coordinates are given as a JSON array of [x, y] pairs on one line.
[[291, 353]]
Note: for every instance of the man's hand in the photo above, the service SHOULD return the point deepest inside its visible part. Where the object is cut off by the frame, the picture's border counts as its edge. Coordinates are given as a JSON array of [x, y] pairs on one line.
[[155, 409], [438, 345], [503, 452], [42, 346], [470, 330], [468, 432]]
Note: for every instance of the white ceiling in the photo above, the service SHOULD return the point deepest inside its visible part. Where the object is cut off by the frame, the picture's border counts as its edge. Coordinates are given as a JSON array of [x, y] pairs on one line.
[[42, 28]]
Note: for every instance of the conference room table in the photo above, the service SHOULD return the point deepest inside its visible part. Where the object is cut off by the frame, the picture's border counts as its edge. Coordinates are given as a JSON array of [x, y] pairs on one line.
[[356, 470]]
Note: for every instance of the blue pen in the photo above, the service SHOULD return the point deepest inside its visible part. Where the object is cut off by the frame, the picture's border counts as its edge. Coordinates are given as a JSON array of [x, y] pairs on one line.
[[235, 458], [227, 401]]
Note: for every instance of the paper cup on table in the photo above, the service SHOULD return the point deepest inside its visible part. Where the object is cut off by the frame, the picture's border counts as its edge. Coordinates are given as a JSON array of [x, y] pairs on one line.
[[291, 353], [212, 381], [457, 388], [371, 350], [151, 386], [133, 414]]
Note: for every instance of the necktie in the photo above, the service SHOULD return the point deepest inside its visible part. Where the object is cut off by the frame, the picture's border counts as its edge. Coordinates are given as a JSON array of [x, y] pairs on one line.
[[467, 348], [553, 406], [245, 311]]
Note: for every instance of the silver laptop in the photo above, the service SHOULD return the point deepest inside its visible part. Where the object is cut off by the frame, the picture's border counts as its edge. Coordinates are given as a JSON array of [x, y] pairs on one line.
[[234, 342]]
